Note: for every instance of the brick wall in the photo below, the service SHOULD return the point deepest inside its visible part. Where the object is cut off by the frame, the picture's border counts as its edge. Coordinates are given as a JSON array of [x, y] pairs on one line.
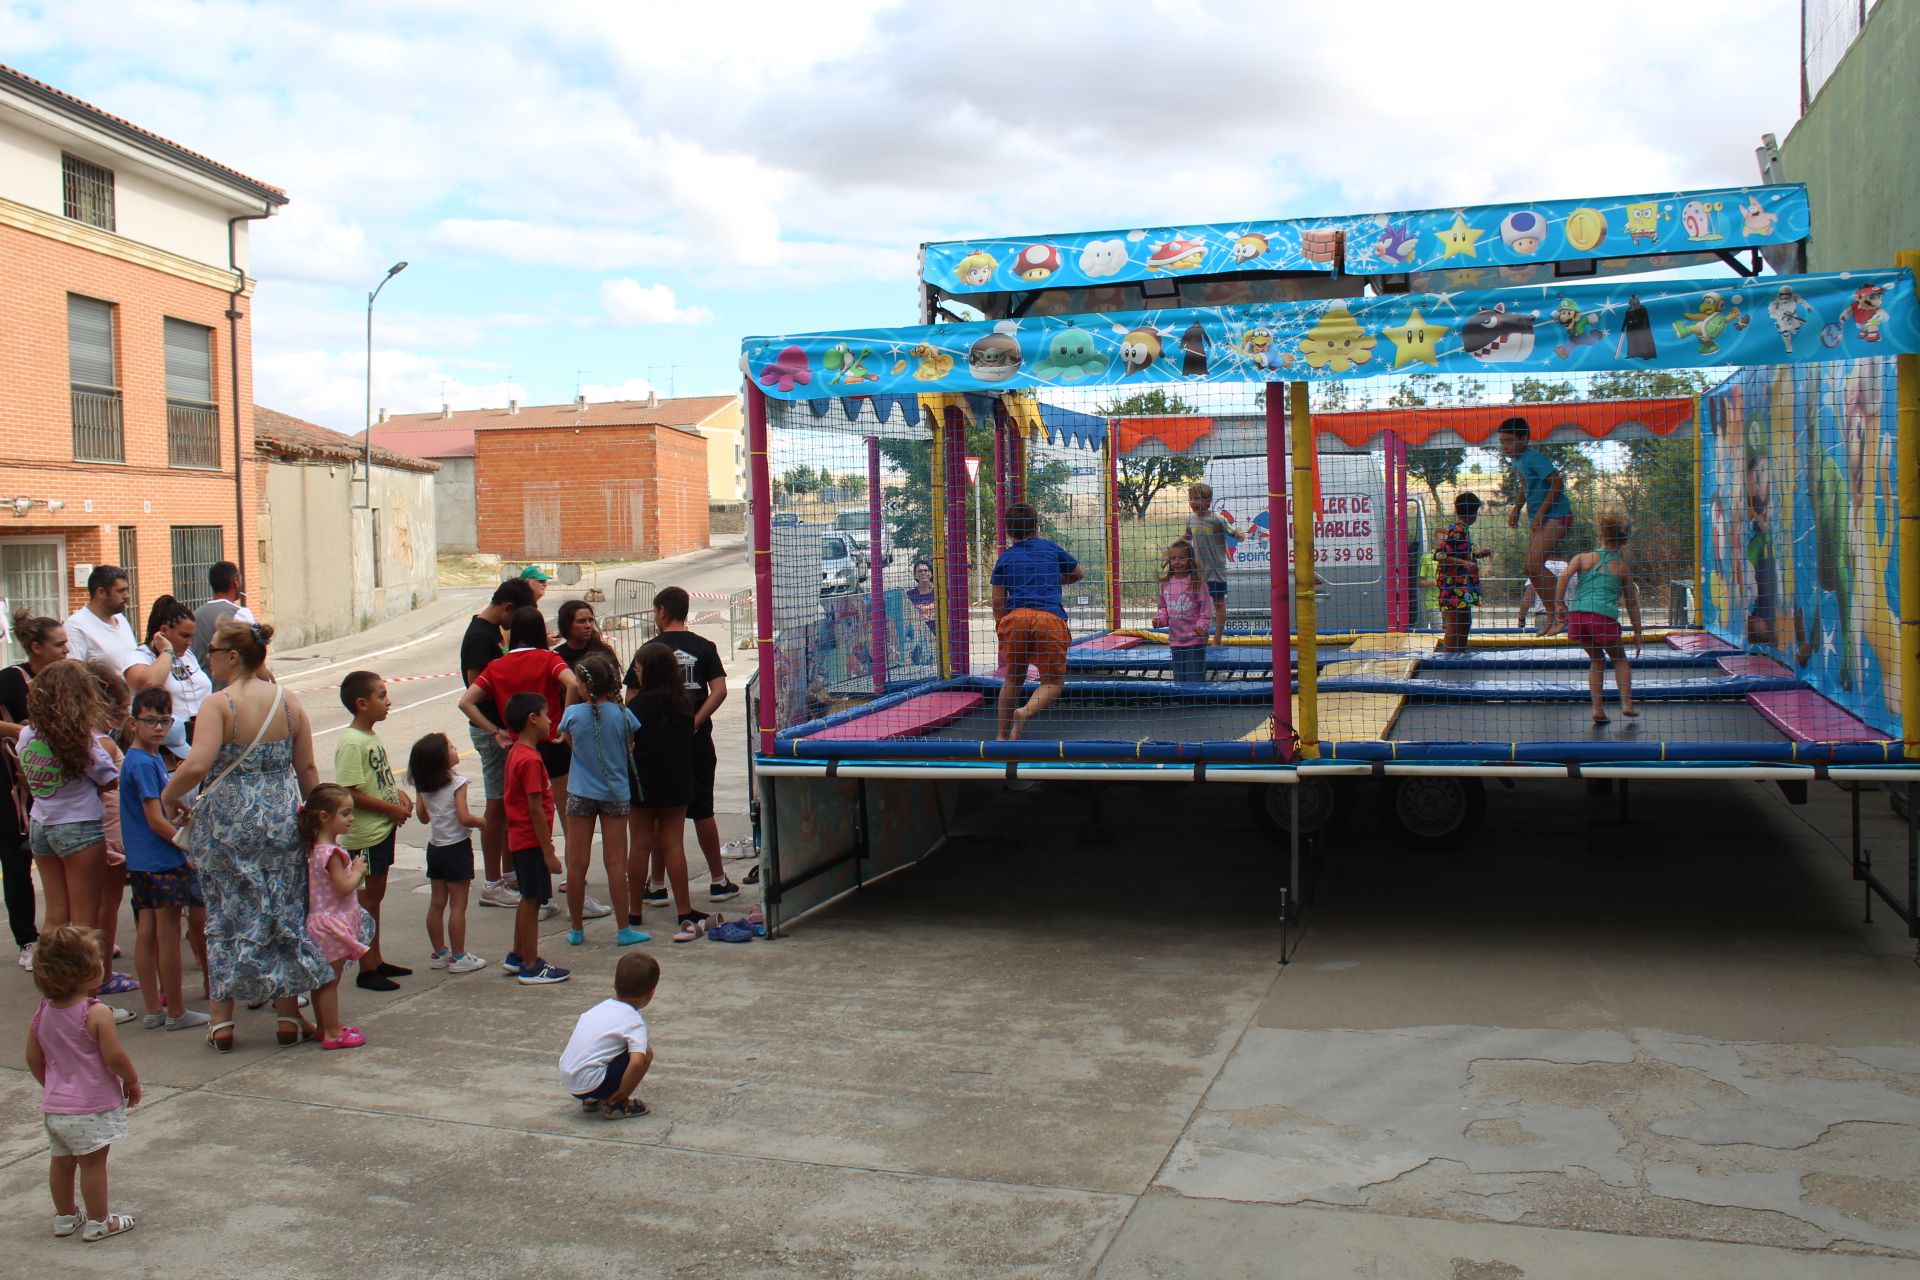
[[590, 493], [143, 493]]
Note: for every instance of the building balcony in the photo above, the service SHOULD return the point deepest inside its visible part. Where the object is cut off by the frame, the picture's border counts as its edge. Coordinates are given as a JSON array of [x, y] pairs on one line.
[[98, 431], [193, 435]]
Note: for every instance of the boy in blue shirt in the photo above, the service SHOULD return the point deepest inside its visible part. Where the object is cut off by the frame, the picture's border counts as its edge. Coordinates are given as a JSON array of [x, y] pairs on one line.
[[164, 886], [1029, 618], [1544, 495]]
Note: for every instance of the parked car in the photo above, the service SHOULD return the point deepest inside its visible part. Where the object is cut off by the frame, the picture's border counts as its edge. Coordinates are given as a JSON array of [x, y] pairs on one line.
[[843, 565], [855, 522]]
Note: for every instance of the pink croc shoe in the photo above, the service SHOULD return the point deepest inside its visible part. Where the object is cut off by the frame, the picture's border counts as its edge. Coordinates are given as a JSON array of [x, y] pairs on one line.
[[350, 1038]]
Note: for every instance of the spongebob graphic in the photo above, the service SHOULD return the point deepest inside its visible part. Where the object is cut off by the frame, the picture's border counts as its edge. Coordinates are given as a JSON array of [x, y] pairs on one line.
[[1643, 221]]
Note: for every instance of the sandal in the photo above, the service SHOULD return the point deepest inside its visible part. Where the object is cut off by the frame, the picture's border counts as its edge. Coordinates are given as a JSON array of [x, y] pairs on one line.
[[349, 1038], [213, 1036], [690, 930], [111, 1225], [624, 1110], [307, 1031]]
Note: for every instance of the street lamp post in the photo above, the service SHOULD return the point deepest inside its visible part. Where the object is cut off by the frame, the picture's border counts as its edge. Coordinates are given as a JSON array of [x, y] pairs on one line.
[[367, 456]]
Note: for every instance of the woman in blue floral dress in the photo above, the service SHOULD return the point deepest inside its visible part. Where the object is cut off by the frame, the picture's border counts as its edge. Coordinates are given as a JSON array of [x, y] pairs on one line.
[[1457, 575], [246, 841]]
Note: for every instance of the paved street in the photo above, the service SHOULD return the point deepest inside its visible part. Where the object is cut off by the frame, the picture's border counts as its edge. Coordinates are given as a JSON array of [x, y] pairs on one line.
[[1573, 1050]]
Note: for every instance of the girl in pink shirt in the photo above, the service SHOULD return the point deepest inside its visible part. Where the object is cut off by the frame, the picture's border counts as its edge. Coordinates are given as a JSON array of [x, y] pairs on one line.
[[87, 1080], [1186, 611]]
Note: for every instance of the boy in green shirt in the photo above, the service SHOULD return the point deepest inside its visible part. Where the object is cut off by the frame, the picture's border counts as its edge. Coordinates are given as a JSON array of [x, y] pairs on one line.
[[379, 805]]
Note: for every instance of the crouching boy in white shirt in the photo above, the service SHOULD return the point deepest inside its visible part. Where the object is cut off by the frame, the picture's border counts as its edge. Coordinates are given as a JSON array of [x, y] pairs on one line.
[[608, 1054]]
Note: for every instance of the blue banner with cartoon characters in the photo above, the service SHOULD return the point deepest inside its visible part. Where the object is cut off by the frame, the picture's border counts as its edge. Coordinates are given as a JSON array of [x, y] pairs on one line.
[[1510, 243], [1799, 507], [1674, 324]]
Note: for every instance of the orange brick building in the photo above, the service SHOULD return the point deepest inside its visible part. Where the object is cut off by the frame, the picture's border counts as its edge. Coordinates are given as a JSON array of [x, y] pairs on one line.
[[125, 355], [616, 480]]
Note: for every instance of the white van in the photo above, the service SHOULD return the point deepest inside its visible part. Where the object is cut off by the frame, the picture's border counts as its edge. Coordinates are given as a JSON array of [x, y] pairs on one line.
[[855, 523], [1349, 542]]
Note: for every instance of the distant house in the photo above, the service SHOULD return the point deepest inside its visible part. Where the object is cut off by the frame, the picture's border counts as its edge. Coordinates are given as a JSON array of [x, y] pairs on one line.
[[606, 480], [313, 583]]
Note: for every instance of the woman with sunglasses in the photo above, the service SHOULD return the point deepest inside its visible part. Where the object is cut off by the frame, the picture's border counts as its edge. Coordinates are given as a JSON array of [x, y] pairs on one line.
[[254, 742]]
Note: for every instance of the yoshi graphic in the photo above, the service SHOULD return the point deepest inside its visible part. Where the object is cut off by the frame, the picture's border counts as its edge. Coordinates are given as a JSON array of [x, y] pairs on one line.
[[845, 368]]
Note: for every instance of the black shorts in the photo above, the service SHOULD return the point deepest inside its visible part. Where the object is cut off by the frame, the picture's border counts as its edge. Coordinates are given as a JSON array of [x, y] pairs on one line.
[[379, 857], [700, 799], [610, 1083], [557, 756], [450, 861], [530, 869]]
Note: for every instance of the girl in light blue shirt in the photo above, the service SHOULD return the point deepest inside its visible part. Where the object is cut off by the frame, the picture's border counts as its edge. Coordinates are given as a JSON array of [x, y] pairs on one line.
[[600, 730]]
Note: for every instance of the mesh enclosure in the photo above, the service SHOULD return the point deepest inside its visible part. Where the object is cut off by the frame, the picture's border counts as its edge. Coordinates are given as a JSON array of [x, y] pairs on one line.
[[1483, 546]]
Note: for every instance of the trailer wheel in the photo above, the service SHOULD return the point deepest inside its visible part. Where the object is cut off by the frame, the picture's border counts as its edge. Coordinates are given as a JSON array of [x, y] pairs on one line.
[[1434, 812], [1325, 806]]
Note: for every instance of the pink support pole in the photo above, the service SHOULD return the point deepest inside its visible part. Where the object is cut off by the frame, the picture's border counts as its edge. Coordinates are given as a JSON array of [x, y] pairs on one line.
[[1002, 428], [876, 567], [1279, 538], [1113, 530], [760, 485], [1393, 529], [959, 599]]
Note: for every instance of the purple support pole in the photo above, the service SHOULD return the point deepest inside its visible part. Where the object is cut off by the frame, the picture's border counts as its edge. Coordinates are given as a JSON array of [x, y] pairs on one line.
[[959, 606], [876, 567], [1279, 538], [760, 486]]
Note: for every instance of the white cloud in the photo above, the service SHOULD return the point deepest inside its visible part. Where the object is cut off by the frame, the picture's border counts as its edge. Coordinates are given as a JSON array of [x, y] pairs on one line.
[[632, 303], [330, 388], [579, 248], [631, 389]]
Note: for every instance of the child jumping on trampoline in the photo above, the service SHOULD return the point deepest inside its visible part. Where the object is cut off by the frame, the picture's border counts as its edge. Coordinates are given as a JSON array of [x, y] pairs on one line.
[[1185, 610], [1544, 496], [1029, 618], [1605, 580], [1207, 532], [1457, 575]]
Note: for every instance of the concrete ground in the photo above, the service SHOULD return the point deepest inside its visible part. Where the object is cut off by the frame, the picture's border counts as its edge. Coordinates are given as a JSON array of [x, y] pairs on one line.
[[1574, 1049]]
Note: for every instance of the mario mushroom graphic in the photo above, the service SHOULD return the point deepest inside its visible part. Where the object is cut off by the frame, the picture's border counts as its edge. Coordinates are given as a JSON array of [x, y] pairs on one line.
[[1036, 262]]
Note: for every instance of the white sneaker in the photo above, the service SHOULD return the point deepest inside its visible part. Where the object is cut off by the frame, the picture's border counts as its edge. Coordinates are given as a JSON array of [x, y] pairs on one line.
[[26, 957], [466, 962], [592, 908], [499, 893], [549, 910], [439, 959], [121, 1016]]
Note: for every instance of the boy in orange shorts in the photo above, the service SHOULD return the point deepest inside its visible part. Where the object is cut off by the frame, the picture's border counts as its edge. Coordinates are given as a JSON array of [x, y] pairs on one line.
[[1029, 618]]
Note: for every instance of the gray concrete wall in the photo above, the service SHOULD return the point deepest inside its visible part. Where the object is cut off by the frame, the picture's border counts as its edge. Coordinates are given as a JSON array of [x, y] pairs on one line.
[[455, 528], [316, 556], [1854, 148]]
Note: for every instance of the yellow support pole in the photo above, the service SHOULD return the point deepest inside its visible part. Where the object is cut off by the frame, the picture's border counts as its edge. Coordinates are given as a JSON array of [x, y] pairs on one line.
[[1907, 479], [1305, 626], [1699, 533], [936, 515]]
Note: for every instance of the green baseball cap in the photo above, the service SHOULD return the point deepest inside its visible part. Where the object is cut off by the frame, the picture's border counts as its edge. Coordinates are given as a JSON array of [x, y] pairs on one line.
[[536, 572]]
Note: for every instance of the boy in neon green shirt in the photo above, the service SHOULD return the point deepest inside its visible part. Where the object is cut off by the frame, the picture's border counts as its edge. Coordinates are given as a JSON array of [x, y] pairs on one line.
[[379, 806]]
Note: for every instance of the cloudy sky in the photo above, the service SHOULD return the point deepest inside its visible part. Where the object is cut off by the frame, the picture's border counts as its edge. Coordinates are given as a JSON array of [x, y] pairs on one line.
[[598, 195]]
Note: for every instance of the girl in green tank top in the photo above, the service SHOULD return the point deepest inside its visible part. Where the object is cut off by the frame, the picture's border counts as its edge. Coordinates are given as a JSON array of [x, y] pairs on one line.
[[1600, 581]]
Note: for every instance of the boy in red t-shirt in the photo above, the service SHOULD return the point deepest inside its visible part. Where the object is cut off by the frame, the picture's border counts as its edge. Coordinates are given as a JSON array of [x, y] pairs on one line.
[[530, 835]]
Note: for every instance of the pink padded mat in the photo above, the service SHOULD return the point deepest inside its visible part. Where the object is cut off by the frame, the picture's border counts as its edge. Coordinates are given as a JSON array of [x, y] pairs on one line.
[[905, 719], [1751, 664], [1698, 642], [1112, 641], [1806, 716]]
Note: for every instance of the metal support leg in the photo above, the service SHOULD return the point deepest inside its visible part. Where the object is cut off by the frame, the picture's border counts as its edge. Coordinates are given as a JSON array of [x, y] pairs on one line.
[[1859, 868], [1293, 853], [1913, 867]]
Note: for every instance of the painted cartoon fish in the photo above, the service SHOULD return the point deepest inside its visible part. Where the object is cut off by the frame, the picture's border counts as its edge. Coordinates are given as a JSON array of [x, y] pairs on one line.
[[1495, 334]]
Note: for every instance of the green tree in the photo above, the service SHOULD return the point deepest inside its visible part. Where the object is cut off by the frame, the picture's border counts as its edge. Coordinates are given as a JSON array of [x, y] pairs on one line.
[[801, 480], [853, 486], [1141, 480], [912, 461]]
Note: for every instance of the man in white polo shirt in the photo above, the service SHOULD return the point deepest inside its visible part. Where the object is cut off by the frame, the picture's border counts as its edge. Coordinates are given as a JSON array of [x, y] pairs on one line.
[[100, 630]]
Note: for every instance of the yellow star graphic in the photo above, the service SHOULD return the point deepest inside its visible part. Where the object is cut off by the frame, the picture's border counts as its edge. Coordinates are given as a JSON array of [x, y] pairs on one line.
[[1459, 239], [1415, 339]]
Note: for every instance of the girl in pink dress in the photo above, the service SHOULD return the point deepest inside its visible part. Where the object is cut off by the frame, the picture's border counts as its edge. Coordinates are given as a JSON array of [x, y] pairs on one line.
[[336, 921]]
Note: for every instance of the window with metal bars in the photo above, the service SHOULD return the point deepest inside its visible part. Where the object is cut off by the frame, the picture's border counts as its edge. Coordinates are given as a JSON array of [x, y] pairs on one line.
[[130, 561], [86, 191], [196, 549], [193, 421], [98, 435]]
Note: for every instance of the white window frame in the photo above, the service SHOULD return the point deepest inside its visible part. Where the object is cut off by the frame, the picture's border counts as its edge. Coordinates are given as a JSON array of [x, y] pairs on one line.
[[59, 545]]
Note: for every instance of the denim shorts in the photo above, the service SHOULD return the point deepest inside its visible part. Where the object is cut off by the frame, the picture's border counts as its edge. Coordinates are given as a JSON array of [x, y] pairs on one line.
[[64, 839], [493, 762], [579, 806]]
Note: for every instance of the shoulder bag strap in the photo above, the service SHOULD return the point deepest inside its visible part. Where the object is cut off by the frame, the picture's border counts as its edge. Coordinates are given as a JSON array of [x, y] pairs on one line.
[[279, 695]]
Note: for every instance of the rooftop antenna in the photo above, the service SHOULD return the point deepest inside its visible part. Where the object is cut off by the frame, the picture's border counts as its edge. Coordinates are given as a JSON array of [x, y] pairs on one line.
[[672, 371]]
